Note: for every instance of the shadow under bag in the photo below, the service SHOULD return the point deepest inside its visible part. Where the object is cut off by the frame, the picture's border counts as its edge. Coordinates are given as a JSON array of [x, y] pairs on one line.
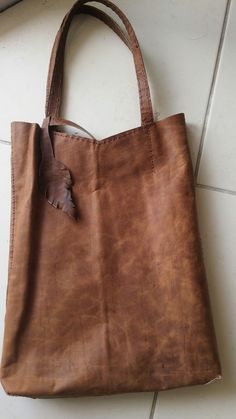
[[107, 290]]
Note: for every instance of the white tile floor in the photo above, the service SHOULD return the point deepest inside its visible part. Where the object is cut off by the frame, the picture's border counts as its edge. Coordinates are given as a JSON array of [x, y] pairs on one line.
[[189, 50]]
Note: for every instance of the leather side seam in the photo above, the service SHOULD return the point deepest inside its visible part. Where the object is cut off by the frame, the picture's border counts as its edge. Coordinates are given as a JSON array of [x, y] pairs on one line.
[[151, 155], [13, 204]]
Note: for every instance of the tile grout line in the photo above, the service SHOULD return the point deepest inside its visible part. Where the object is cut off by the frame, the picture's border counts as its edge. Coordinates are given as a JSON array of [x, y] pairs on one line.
[[212, 88], [153, 407], [5, 142], [214, 188]]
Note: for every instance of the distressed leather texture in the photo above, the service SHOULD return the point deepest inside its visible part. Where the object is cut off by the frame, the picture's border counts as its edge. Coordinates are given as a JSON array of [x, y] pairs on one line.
[[113, 299]]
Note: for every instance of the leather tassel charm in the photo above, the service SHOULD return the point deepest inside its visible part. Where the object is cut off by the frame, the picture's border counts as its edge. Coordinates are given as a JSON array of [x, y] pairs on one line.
[[54, 177]]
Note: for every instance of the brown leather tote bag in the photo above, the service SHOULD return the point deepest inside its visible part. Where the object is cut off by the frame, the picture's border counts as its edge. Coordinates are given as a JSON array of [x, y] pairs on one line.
[[106, 290]]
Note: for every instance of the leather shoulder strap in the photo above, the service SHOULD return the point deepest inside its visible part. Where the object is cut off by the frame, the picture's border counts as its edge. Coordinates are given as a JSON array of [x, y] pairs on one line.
[[55, 75]]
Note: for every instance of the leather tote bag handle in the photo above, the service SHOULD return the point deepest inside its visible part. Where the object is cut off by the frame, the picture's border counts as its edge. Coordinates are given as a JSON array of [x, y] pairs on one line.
[[99, 14], [55, 75]]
